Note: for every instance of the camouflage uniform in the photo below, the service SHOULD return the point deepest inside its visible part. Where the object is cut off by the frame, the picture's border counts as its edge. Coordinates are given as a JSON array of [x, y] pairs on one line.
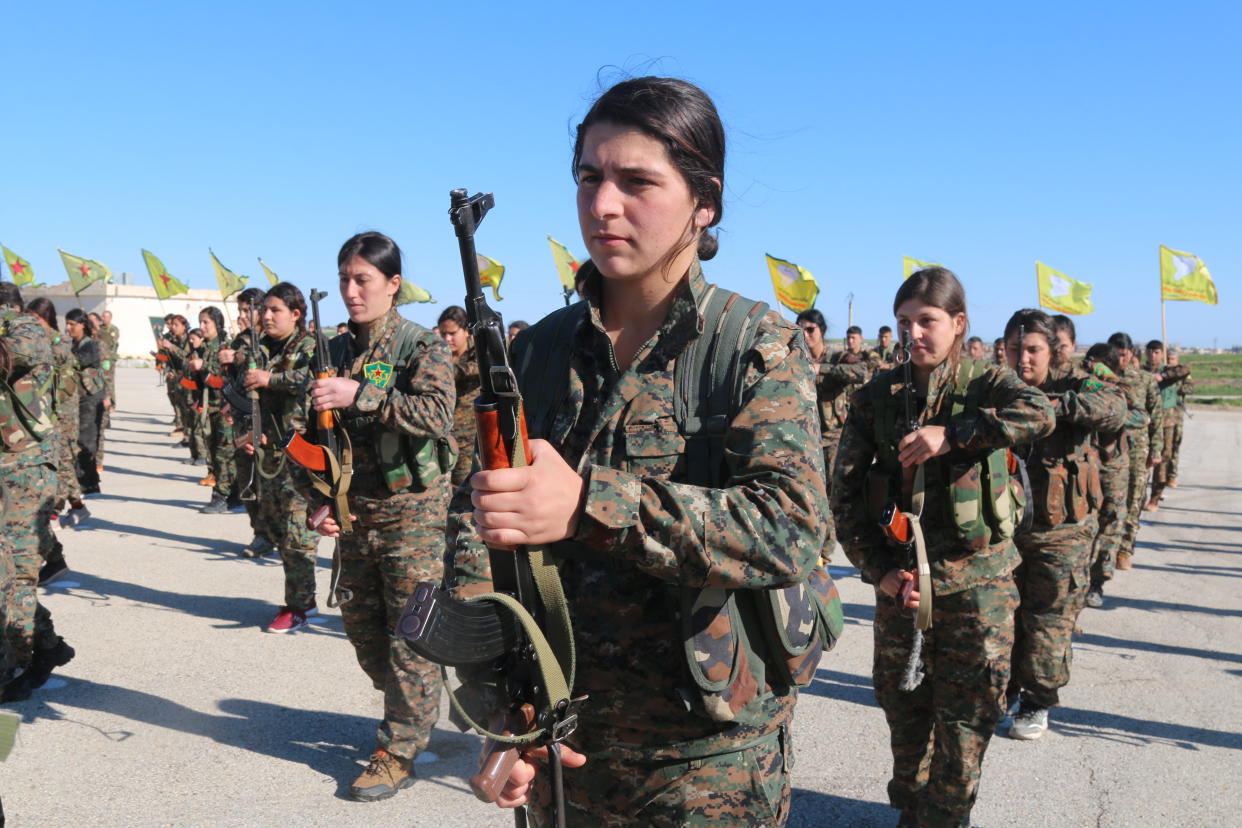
[[466, 375], [1174, 387], [883, 356], [1145, 441], [109, 338], [838, 375], [940, 730], [1112, 449], [90, 410], [182, 398], [28, 478], [67, 488], [398, 536], [1056, 553], [218, 423], [246, 478], [643, 536], [282, 501]]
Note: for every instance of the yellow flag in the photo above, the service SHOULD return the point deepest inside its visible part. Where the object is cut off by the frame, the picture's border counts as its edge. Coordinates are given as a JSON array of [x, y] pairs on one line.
[[909, 265], [410, 292], [1061, 293], [566, 265], [267, 271], [165, 283], [229, 281], [795, 286], [19, 268], [1185, 278], [84, 272], [490, 274]]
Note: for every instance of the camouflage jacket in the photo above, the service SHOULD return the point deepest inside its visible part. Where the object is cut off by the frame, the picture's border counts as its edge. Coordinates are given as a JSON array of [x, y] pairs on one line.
[[1111, 444], [883, 356], [644, 533], [1174, 384], [466, 379], [66, 372], [177, 355], [211, 376], [1010, 413], [90, 375], [1062, 466], [109, 337], [406, 387], [28, 386], [1143, 392], [838, 375], [284, 402]]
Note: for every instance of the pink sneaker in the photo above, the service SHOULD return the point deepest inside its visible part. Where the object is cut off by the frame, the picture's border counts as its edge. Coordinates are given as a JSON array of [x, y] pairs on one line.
[[287, 620]]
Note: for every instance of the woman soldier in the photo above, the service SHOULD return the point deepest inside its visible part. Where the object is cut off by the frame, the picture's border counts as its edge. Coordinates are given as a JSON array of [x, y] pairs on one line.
[[452, 329], [91, 399], [393, 395], [288, 350], [611, 485], [946, 465], [217, 424], [177, 346], [1066, 490]]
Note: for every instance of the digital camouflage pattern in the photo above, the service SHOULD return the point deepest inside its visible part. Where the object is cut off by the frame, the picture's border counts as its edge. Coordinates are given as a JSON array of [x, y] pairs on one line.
[[109, 338], [466, 376], [27, 476], [282, 506], [90, 410], [940, 731], [398, 537], [217, 420], [645, 535], [744, 787], [1174, 385], [1146, 440], [67, 401], [838, 375]]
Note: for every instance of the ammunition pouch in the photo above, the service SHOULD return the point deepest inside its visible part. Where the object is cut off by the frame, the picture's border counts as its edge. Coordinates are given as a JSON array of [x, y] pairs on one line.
[[414, 463]]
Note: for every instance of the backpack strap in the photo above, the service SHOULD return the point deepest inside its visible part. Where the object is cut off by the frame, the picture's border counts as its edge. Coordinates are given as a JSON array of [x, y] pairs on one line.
[[544, 390]]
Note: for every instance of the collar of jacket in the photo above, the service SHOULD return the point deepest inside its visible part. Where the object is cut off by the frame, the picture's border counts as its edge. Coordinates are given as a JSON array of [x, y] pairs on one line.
[[684, 322]]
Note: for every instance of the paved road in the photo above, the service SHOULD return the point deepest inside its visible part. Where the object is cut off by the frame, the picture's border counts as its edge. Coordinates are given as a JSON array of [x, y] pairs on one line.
[[179, 710]]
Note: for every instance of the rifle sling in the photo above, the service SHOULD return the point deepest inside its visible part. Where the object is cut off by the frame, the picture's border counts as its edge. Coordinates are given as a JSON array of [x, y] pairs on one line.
[[923, 615], [340, 473]]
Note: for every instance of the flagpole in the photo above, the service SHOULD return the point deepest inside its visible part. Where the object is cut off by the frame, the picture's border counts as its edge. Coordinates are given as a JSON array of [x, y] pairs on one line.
[[1039, 294], [1164, 332]]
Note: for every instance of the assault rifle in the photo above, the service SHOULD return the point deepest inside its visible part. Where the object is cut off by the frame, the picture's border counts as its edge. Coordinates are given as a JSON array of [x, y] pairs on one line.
[[328, 462], [904, 531], [255, 436], [499, 637]]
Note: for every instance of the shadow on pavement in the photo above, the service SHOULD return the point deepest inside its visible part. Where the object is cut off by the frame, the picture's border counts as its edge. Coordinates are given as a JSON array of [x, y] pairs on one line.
[[187, 541], [811, 809], [1148, 605], [1152, 647], [1092, 723], [1194, 569], [833, 684], [858, 613]]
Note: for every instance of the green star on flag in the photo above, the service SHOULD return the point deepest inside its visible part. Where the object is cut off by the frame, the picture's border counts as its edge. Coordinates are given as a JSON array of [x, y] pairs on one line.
[[19, 268], [166, 285], [83, 272]]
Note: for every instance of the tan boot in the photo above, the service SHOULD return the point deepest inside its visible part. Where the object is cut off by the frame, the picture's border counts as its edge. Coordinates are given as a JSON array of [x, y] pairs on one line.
[[1123, 560], [209, 480], [385, 774], [1152, 505], [1172, 484]]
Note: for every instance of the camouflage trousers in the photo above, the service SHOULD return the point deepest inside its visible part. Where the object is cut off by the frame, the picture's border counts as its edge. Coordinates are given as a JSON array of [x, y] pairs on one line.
[[1167, 470], [219, 445], [29, 495], [1136, 492], [830, 458], [282, 520], [248, 487], [8, 657], [464, 431], [67, 488], [1115, 479], [174, 390], [744, 787], [396, 542], [940, 731], [90, 427], [268, 512], [1052, 584]]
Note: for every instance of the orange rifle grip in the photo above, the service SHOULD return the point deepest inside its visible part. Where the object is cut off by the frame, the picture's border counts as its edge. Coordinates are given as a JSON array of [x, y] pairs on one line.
[[492, 445], [325, 417]]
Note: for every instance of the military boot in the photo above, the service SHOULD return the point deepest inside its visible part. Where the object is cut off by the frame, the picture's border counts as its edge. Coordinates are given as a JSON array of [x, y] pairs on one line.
[[217, 506], [1123, 560], [385, 774]]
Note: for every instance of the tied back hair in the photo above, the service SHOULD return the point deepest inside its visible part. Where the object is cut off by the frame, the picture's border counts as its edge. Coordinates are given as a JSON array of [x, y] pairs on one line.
[[939, 287]]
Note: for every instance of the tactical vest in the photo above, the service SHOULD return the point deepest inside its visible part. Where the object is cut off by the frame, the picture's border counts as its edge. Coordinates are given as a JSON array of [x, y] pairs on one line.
[[407, 463], [27, 403], [985, 499], [737, 643], [1073, 488]]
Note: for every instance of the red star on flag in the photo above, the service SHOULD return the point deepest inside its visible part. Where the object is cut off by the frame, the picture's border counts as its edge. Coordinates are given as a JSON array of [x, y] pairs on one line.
[[85, 271], [164, 276], [17, 268]]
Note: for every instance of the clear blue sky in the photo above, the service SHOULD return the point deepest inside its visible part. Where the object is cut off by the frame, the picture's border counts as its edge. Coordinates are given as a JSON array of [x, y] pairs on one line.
[[983, 136]]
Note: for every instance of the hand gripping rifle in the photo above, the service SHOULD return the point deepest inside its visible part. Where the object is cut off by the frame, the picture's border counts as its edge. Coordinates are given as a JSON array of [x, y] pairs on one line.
[[328, 462], [905, 531], [516, 637], [255, 435]]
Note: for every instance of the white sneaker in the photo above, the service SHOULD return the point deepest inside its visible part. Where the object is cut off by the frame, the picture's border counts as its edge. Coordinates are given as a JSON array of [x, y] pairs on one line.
[[1029, 723]]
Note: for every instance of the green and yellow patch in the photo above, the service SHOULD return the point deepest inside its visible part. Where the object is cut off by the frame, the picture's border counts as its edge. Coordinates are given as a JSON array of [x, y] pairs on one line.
[[378, 374]]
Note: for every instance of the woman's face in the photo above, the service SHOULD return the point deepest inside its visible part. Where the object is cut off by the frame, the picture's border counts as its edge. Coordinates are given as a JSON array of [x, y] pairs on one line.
[[278, 321], [814, 336], [177, 327], [208, 326], [934, 333], [634, 207], [366, 291], [1031, 358], [76, 329], [455, 336]]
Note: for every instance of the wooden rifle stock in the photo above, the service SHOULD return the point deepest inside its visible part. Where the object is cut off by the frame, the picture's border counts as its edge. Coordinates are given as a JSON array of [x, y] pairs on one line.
[[305, 453], [189, 384]]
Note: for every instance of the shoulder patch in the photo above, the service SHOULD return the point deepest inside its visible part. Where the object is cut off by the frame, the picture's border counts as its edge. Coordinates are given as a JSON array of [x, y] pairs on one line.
[[1092, 384], [378, 374]]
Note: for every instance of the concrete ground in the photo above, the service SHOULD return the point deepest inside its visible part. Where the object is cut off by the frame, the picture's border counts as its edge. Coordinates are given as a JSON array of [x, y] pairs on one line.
[[179, 710]]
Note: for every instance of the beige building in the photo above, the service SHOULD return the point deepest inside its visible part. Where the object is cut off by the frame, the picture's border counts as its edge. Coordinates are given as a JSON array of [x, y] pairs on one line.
[[135, 309]]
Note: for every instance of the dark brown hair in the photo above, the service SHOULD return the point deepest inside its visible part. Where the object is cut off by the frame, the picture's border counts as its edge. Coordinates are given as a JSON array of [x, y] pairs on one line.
[[1031, 320], [43, 308], [683, 118], [455, 314], [291, 295], [940, 288]]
